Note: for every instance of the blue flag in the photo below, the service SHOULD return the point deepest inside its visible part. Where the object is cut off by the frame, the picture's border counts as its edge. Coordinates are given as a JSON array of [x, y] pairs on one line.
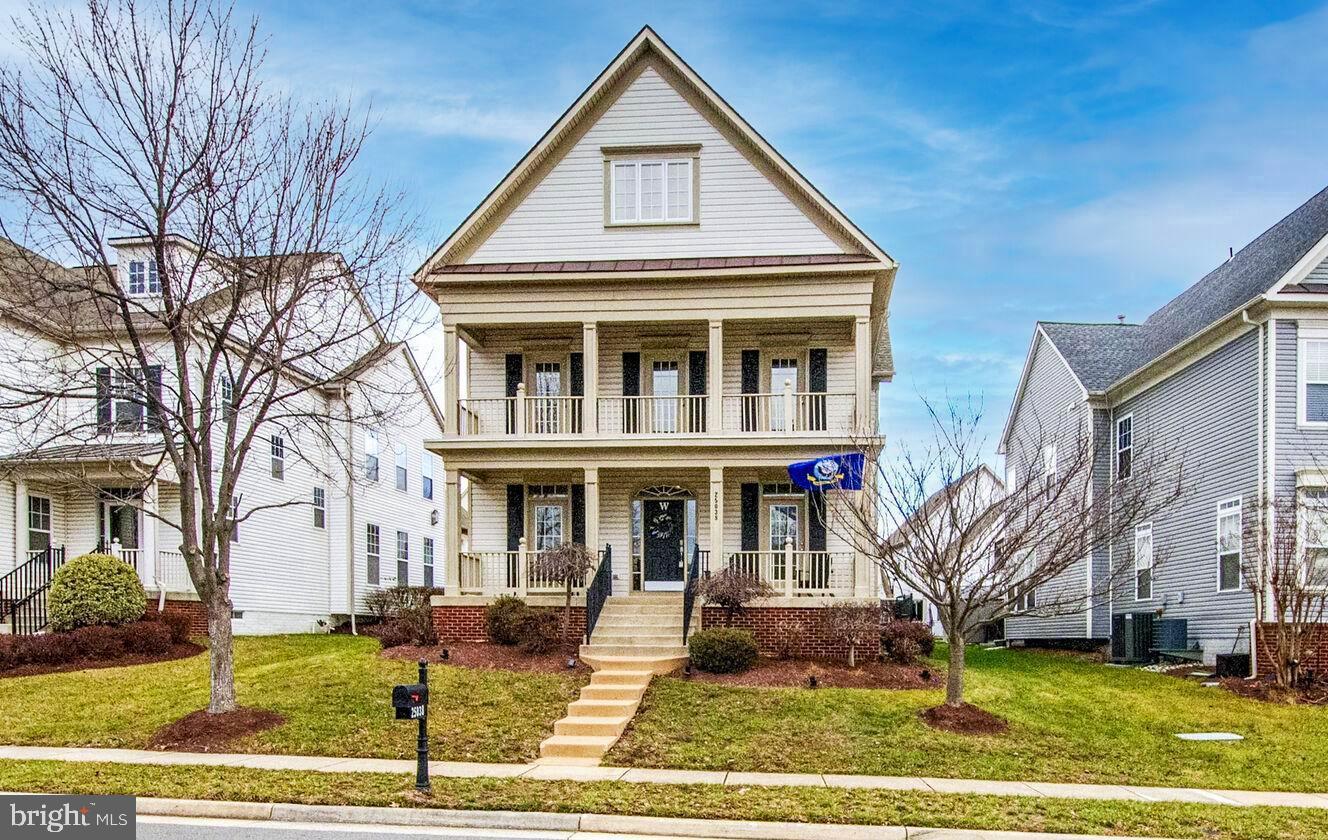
[[832, 472]]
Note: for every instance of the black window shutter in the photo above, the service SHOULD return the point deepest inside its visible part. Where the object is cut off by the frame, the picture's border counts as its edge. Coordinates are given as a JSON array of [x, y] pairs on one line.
[[697, 374], [514, 374], [154, 397], [103, 399], [631, 387], [579, 514], [751, 529], [577, 374], [751, 384], [516, 515], [816, 384], [815, 521]]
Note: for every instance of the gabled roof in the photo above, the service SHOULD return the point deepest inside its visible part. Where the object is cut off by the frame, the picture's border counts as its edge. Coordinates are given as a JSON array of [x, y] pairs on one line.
[[553, 144], [1101, 355]]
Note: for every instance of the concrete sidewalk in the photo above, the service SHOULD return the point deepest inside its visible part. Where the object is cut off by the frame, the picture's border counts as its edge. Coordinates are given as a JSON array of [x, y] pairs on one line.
[[558, 772]]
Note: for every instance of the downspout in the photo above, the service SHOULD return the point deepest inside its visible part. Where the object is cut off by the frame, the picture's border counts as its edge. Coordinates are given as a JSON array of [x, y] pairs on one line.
[[349, 463]]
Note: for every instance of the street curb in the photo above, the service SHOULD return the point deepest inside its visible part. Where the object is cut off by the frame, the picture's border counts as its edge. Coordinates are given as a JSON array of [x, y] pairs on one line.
[[597, 823]]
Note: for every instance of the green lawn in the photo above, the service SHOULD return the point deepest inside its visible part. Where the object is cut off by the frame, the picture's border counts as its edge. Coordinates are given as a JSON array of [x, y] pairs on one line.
[[795, 804], [1071, 721], [333, 690]]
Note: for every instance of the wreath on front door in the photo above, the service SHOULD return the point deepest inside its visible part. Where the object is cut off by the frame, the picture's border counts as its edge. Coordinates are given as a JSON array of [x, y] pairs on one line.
[[661, 523]]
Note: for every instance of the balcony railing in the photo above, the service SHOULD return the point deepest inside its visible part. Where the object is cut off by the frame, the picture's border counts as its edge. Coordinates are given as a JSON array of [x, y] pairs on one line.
[[521, 415], [652, 415], [788, 412]]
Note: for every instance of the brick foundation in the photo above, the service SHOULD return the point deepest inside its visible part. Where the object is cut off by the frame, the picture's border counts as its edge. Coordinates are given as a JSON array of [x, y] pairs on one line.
[[1314, 657], [193, 609], [765, 624], [465, 623]]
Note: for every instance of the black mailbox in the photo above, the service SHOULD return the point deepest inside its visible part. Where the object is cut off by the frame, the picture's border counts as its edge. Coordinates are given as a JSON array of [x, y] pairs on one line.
[[410, 701]]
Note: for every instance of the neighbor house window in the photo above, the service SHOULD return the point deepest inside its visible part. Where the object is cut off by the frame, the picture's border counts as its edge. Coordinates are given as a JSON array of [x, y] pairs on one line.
[[1314, 379], [372, 552], [371, 454], [651, 191], [1049, 466], [1143, 562], [127, 404], [235, 520], [39, 523], [401, 466], [1023, 593], [403, 558], [1124, 445], [278, 457], [226, 393], [1228, 545], [320, 508], [1314, 534], [426, 475], [428, 561], [143, 278]]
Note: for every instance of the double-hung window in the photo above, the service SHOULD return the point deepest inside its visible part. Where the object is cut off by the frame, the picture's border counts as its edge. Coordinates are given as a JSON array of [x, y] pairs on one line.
[[1049, 466], [651, 190], [1124, 445], [128, 409], [371, 454], [1228, 545], [226, 396], [1313, 394], [403, 558], [372, 552], [550, 511], [1314, 535], [426, 475], [1023, 594], [39, 523], [320, 508], [428, 561], [143, 278], [401, 466], [278, 465], [1143, 561]]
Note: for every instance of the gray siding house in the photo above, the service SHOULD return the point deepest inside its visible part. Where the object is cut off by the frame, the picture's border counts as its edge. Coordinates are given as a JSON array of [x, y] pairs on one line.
[[1232, 377]]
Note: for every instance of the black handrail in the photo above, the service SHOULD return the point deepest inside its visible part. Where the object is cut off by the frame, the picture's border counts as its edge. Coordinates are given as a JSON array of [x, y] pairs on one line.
[[689, 590], [601, 585], [23, 591]]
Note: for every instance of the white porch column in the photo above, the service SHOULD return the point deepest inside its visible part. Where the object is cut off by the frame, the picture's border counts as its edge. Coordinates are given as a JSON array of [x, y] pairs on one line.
[[21, 523], [147, 543], [590, 389], [451, 532], [715, 387], [451, 379], [716, 518], [866, 577], [863, 358], [592, 509]]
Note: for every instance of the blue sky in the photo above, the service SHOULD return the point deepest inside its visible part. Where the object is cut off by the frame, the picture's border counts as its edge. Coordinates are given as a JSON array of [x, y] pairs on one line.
[[1020, 160]]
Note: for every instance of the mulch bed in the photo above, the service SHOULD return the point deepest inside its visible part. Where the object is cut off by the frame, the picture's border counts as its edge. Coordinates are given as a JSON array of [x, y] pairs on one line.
[[964, 720], [180, 651], [488, 655], [201, 731], [789, 673], [1315, 694]]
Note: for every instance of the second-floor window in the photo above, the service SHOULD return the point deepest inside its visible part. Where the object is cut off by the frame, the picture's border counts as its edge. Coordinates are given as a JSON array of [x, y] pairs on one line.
[[1314, 380], [401, 466], [1049, 466], [143, 278], [127, 404], [1124, 445], [1143, 561], [320, 508], [371, 454], [646, 191], [426, 475], [278, 457]]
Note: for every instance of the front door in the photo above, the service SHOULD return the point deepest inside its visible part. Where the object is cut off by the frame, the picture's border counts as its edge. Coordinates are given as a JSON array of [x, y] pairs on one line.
[[665, 524], [119, 523]]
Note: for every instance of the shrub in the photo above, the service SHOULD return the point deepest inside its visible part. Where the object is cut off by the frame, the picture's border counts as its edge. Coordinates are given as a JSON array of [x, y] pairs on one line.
[[96, 641], [722, 650], [503, 617], [145, 637], [95, 589], [177, 623], [392, 634], [539, 631], [905, 641], [408, 606], [788, 637], [51, 648], [733, 589]]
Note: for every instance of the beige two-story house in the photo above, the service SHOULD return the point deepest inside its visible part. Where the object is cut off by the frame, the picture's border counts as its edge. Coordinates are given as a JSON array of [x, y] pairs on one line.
[[646, 321]]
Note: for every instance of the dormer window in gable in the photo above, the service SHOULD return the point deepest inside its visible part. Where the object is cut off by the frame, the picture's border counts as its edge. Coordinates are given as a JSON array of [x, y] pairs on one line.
[[143, 278], [651, 186]]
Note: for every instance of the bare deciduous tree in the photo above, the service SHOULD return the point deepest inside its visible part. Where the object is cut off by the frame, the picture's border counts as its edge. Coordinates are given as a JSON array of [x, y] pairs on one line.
[[1290, 586], [732, 589], [855, 624], [935, 519], [567, 565], [272, 277]]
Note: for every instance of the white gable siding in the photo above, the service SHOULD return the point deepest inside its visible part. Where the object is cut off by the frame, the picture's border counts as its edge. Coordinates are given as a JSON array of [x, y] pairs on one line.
[[1318, 274], [742, 212]]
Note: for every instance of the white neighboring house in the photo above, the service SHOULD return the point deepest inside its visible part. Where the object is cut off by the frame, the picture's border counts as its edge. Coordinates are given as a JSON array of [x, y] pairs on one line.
[[298, 566]]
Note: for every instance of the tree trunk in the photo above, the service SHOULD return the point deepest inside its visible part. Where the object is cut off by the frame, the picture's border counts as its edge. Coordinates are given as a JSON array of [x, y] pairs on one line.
[[852, 660], [221, 653], [954, 680]]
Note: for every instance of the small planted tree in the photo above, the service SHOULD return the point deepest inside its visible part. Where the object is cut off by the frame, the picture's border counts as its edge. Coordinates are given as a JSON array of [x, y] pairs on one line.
[[733, 589], [567, 565], [854, 623]]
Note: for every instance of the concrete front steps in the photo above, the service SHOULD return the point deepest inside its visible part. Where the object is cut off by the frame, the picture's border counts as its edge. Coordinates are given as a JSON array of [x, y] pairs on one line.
[[635, 638]]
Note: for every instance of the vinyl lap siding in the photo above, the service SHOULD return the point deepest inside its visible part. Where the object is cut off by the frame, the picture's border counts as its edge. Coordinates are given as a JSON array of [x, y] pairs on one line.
[[742, 212], [1206, 415]]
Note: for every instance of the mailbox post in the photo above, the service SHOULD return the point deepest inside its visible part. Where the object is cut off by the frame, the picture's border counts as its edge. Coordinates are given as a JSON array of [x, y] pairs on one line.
[[411, 702]]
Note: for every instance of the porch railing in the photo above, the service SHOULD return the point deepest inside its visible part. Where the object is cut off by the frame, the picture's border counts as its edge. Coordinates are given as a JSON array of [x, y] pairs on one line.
[[789, 412], [689, 591], [492, 572], [792, 573], [172, 574], [678, 415], [601, 586], [23, 591]]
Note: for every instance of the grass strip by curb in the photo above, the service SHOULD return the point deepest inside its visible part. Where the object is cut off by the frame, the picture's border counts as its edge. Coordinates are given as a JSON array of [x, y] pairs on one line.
[[791, 804]]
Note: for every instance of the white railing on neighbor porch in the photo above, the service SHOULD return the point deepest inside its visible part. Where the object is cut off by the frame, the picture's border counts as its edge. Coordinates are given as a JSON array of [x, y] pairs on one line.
[[495, 572], [789, 412], [813, 572], [680, 415], [172, 574], [128, 555]]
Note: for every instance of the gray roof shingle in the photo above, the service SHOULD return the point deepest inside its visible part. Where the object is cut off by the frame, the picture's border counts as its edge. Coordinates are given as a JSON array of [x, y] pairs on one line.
[[1102, 354]]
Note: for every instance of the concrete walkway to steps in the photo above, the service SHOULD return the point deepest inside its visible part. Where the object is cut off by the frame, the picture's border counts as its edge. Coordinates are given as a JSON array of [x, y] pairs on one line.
[[561, 772]]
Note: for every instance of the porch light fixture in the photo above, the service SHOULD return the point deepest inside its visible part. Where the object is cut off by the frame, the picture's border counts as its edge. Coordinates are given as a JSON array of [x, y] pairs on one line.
[[444, 655], [571, 662], [926, 675], [812, 681], [433, 517]]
